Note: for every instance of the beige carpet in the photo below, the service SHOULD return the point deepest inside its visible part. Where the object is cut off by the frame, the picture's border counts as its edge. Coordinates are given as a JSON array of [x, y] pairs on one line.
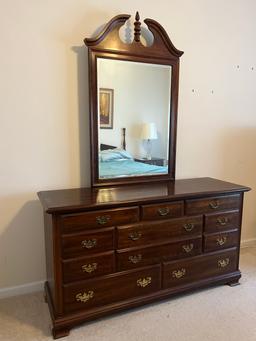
[[217, 314]]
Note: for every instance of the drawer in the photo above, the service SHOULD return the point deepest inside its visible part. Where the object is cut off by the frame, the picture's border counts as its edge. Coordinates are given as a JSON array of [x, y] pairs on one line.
[[111, 288], [81, 244], [87, 267], [217, 241], [152, 255], [158, 231], [212, 204], [163, 211], [96, 219], [200, 267], [222, 221]]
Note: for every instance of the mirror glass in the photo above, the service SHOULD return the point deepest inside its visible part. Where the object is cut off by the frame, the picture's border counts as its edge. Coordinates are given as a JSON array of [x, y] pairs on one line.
[[133, 118]]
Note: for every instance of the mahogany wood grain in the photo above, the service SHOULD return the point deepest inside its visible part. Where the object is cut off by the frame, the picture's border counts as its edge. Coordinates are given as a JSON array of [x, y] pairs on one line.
[[158, 231], [97, 219], [87, 243], [133, 258], [221, 240], [86, 199], [213, 204], [162, 211], [65, 322], [222, 221], [112, 288], [193, 269], [82, 268]]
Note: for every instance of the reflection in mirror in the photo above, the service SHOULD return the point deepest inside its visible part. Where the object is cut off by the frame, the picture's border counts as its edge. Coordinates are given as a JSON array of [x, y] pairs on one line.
[[133, 118]]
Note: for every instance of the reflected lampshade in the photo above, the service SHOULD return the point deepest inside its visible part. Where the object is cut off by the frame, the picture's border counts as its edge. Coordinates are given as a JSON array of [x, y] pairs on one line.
[[148, 131]]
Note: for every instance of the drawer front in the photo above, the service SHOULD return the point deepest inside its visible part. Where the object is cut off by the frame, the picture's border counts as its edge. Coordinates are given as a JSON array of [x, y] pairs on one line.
[[148, 232], [218, 241], [81, 244], [96, 219], [163, 211], [112, 288], [181, 272], [221, 221], [158, 254], [87, 267], [212, 204]]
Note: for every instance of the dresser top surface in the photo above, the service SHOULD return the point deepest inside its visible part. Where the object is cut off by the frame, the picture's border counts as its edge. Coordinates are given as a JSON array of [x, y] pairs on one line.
[[57, 201]]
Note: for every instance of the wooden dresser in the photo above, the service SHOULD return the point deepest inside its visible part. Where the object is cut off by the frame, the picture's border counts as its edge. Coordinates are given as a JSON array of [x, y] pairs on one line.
[[108, 249]]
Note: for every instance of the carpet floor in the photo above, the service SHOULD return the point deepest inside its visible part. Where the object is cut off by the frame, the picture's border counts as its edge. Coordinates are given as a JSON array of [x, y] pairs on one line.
[[221, 313]]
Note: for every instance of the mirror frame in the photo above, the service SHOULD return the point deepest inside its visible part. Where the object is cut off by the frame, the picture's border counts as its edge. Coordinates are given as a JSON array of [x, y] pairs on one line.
[[109, 45]]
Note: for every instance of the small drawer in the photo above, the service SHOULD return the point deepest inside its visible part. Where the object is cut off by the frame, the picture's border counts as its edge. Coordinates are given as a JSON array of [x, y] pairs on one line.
[[111, 288], [217, 241], [87, 267], [200, 267], [158, 231], [221, 221], [157, 254], [75, 222], [81, 244], [163, 211], [212, 204]]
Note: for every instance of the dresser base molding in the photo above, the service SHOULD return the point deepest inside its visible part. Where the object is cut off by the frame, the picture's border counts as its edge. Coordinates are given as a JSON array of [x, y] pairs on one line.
[[62, 325]]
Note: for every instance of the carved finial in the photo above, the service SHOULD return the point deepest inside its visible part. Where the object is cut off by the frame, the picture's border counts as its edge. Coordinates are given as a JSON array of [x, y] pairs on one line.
[[137, 29]]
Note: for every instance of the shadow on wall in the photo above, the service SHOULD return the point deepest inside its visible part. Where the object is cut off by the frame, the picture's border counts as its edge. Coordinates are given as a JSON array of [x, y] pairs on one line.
[[83, 111], [22, 255], [237, 163]]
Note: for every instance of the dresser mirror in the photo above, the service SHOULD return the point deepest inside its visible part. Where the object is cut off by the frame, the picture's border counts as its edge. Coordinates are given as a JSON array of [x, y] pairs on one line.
[[133, 104]]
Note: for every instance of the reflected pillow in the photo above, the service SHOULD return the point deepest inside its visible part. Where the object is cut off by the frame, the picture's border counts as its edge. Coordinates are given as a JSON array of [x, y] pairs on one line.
[[114, 155]]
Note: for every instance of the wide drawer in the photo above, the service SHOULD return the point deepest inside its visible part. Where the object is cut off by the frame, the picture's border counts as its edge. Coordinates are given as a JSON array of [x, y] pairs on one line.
[[78, 221], [156, 254], [200, 267], [211, 204], [81, 244], [222, 240], [215, 222], [111, 288], [157, 231], [163, 211], [87, 267]]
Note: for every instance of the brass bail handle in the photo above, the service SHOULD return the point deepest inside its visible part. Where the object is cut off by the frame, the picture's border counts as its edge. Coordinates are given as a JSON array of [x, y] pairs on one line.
[[163, 211], [214, 204]]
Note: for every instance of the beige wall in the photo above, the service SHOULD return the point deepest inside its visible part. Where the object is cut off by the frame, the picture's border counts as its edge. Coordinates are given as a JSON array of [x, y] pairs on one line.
[[44, 106]]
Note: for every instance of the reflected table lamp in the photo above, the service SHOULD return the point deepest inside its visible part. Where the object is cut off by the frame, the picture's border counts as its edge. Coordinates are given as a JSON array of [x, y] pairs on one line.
[[149, 133]]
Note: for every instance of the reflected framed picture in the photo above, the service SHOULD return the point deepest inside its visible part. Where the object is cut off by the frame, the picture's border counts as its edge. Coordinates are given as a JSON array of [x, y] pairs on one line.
[[106, 105]]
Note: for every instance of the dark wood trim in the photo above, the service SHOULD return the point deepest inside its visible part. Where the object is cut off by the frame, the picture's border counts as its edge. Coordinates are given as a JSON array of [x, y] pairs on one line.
[[108, 45]]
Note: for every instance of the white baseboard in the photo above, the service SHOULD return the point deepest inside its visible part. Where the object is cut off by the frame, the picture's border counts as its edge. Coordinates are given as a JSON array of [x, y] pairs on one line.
[[21, 289], [248, 243]]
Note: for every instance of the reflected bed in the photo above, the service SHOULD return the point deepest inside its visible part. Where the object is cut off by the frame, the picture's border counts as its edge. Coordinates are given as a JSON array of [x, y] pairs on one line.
[[119, 163]]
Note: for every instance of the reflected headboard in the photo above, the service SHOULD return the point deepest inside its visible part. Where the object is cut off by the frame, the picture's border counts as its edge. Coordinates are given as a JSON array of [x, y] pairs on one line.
[[123, 142]]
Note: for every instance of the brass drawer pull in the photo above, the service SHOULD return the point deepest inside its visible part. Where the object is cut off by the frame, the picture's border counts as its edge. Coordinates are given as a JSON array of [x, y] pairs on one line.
[[163, 211], [135, 259], [221, 240], [89, 244], [188, 248], [189, 227], [135, 235], [143, 282], [214, 204], [89, 267], [222, 263], [101, 220], [222, 221], [84, 297], [179, 273]]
